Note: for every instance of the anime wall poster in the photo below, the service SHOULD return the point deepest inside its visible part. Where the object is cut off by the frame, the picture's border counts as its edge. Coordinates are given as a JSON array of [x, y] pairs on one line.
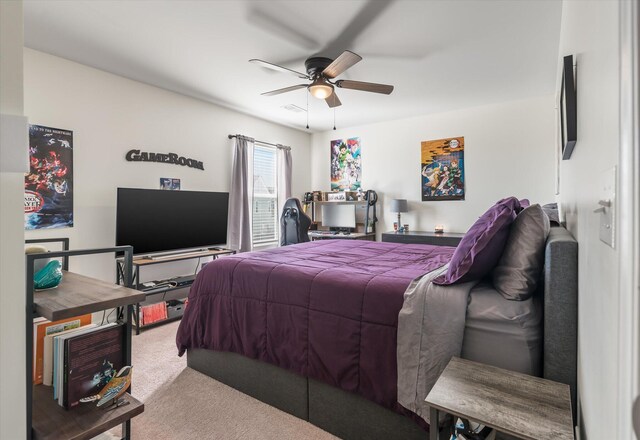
[[48, 187], [443, 169], [170, 183], [346, 164]]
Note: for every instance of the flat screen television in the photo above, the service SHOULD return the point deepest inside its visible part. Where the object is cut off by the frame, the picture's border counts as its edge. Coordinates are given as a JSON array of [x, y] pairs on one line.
[[153, 220]]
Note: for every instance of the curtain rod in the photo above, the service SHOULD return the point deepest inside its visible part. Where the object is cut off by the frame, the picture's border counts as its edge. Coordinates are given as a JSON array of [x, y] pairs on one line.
[[282, 147]]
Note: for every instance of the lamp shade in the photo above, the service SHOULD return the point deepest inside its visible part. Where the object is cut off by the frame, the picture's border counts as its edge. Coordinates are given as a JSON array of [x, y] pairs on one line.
[[320, 89], [399, 205]]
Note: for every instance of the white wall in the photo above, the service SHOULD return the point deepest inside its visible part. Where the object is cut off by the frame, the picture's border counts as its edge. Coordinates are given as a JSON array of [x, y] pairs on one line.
[[12, 288], [509, 150], [110, 115], [590, 32]]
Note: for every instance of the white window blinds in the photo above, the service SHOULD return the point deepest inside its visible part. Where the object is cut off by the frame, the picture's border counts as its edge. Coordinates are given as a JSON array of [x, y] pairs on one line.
[[265, 198]]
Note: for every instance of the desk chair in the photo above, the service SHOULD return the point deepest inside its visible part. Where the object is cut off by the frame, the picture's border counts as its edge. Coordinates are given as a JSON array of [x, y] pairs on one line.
[[294, 223]]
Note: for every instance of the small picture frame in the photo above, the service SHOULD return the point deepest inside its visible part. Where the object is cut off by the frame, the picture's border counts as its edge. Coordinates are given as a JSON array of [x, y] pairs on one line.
[[169, 183], [336, 197]]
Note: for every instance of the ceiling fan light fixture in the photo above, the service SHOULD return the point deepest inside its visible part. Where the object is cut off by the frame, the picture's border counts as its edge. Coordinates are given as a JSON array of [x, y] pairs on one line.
[[321, 90]]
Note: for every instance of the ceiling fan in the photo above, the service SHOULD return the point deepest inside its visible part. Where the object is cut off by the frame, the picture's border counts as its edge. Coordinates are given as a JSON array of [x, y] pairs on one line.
[[321, 72]]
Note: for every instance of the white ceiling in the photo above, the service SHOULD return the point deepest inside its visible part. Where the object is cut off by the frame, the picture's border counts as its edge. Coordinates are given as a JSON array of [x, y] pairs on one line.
[[440, 54]]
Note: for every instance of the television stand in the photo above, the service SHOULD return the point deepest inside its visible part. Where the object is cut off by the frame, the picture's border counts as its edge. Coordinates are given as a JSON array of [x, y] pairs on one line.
[[169, 289], [165, 257]]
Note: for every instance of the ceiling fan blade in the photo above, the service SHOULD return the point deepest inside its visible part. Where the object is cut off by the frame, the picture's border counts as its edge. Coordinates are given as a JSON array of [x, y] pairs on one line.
[[342, 63], [279, 68], [369, 13], [285, 90], [284, 25], [365, 86], [333, 100]]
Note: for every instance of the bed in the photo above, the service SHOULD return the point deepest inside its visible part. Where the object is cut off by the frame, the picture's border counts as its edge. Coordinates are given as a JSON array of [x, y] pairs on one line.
[[311, 328]]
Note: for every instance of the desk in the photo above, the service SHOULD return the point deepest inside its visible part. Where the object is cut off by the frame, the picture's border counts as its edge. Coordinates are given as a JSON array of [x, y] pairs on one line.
[[422, 237], [315, 235]]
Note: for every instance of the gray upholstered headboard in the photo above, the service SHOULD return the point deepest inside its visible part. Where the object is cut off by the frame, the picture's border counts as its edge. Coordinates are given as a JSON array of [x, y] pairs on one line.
[[560, 361]]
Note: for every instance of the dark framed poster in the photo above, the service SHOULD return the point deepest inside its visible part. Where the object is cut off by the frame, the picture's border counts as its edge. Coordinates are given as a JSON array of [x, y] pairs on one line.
[[48, 187], [442, 174]]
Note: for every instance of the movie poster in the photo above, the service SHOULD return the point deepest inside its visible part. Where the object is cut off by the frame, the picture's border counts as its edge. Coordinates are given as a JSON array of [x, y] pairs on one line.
[[443, 169], [48, 187], [346, 164]]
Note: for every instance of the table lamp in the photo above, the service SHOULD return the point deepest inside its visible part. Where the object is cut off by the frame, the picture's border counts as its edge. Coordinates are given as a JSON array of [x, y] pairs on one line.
[[399, 205]]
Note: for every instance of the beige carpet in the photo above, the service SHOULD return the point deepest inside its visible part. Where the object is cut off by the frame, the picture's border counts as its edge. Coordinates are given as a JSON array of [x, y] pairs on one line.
[[181, 403], [155, 359]]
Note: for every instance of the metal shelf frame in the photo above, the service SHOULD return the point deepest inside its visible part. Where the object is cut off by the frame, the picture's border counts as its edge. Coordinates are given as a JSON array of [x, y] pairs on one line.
[[125, 318], [136, 282]]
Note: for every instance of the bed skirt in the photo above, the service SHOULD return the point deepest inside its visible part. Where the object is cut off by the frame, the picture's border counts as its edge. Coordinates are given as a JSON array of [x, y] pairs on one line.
[[338, 412]]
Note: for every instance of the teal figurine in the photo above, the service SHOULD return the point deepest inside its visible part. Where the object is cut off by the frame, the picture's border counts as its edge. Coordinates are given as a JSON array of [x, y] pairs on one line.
[[49, 276]]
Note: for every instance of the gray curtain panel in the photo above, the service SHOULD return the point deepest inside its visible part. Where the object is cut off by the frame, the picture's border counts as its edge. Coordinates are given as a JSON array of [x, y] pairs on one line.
[[240, 195], [284, 164]]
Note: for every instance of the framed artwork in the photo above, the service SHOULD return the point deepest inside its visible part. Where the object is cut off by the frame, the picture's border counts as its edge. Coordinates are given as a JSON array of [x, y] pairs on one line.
[[568, 108], [346, 164], [48, 186], [336, 196], [169, 183], [442, 169]]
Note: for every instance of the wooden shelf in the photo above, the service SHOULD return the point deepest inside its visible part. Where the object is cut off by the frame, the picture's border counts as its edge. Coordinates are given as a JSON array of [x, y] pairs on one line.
[[145, 261], [340, 202], [51, 421], [78, 295]]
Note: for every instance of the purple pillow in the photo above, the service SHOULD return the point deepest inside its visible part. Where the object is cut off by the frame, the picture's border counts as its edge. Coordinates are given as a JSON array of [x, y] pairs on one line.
[[481, 247]]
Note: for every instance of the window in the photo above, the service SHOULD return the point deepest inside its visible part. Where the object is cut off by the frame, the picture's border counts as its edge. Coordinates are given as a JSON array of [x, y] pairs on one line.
[[265, 196]]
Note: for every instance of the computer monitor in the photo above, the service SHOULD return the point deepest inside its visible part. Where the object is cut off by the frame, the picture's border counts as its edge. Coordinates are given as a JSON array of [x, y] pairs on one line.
[[338, 215]]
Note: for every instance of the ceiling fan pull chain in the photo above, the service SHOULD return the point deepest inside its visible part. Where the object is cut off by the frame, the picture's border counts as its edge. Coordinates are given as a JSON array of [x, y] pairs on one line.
[[307, 110], [334, 118]]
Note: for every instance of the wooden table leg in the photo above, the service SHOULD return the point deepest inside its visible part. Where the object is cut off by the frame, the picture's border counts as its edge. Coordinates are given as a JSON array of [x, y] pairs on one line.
[[434, 415]]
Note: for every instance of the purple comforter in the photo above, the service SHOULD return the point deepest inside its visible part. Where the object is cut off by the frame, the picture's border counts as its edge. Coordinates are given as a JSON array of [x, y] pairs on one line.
[[327, 309]]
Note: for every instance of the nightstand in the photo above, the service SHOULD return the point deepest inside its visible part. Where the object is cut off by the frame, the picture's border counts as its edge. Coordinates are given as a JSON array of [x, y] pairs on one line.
[[512, 403], [422, 237]]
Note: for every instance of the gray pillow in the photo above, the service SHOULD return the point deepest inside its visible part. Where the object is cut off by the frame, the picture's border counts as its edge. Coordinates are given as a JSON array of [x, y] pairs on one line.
[[518, 270], [551, 209]]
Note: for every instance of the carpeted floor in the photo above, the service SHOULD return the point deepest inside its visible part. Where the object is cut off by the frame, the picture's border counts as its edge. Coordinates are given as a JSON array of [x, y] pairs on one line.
[[155, 359], [181, 403]]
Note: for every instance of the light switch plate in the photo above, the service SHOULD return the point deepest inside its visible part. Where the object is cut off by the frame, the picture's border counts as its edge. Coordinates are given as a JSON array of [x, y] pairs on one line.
[[607, 214]]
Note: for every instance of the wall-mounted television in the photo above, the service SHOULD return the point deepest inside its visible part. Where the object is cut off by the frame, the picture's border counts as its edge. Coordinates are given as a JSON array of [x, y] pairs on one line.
[[153, 220], [568, 108]]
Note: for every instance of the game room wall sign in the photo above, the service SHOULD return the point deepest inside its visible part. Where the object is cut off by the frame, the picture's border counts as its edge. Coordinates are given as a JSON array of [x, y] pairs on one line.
[[173, 158]]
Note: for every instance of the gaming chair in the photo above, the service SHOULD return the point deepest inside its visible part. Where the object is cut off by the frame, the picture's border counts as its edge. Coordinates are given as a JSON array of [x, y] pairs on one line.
[[294, 223]]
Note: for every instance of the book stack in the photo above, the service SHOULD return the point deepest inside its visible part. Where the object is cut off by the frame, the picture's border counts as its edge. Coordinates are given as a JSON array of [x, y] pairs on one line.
[[77, 361], [154, 313], [43, 328]]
